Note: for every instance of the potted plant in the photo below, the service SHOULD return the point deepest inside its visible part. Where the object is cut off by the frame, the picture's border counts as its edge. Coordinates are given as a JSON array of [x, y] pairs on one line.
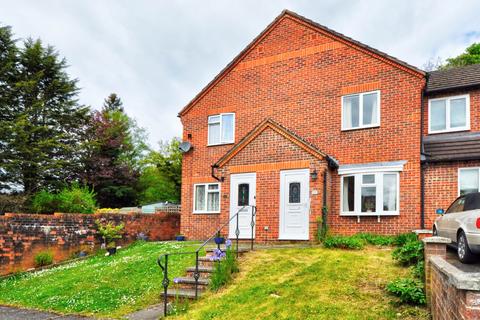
[[180, 237], [109, 233], [219, 239]]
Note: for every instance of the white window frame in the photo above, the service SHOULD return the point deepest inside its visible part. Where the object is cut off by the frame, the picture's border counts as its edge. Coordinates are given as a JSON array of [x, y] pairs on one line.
[[379, 194], [447, 115], [222, 141], [206, 197], [360, 110], [458, 177]]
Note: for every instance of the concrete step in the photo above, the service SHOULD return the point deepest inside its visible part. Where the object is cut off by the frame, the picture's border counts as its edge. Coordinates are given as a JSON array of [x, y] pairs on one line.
[[200, 269], [181, 293], [191, 280]]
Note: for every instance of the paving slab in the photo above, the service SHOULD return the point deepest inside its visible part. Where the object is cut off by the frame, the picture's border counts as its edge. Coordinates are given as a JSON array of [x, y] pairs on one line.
[[154, 312], [13, 313]]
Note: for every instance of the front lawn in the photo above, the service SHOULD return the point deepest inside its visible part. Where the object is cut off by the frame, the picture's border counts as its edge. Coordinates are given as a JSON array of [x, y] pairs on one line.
[[309, 283], [99, 285]]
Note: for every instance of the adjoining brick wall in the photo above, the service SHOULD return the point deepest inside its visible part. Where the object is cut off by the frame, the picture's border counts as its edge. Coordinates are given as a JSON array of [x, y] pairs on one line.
[[21, 235], [296, 76], [441, 186], [452, 294]]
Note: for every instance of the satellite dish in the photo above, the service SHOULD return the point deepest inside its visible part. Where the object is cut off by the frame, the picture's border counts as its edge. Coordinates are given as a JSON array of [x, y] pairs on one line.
[[185, 146]]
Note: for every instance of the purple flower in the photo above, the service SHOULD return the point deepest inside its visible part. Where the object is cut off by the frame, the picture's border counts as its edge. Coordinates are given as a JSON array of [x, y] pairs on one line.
[[228, 243], [176, 280]]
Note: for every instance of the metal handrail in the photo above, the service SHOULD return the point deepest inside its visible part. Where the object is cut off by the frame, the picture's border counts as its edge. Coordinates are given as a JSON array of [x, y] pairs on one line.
[[196, 274]]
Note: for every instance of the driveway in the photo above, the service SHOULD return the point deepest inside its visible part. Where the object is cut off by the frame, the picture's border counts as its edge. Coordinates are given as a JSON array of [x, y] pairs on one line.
[[11, 313], [453, 259]]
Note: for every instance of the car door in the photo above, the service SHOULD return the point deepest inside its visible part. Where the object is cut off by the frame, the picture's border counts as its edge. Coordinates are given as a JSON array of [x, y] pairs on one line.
[[449, 222]]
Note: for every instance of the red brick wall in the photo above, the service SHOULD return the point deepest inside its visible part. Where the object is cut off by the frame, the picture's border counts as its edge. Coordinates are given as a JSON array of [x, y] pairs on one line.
[[297, 78], [21, 235], [441, 186]]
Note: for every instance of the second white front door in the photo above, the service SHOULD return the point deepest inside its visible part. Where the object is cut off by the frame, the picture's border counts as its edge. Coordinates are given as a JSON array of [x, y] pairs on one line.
[[294, 204], [242, 197]]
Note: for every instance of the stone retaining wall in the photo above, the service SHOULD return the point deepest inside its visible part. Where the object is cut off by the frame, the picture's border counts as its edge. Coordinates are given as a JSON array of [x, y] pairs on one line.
[[22, 235]]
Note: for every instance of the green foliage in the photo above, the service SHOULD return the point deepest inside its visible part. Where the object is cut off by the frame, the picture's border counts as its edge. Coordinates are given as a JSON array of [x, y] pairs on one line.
[[161, 177], [74, 199], [403, 238], [409, 254], [224, 270], [408, 290], [109, 232], [343, 242], [44, 258], [376, 239], [418, 270], [470, 56], [12, 203], [41, 123]]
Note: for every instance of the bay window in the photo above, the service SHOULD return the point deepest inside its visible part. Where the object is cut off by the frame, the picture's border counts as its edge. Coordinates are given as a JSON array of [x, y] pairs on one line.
[[468, 180], [221, 129], [206, 198], [361, 110], [449, 114], [375, 193]]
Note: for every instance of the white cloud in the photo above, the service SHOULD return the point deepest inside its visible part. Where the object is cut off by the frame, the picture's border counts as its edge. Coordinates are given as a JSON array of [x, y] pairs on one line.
[[157, 55]]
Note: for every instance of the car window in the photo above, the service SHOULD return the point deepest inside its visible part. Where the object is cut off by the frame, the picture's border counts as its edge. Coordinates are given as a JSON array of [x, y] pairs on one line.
[[472, 201], [457, 206]]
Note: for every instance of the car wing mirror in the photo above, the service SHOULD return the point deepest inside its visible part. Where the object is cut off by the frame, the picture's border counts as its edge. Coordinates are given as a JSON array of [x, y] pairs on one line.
[[440, 211]]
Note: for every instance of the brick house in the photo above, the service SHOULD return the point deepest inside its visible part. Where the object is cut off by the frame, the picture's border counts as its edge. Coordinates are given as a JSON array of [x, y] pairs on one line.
[[306, 119]]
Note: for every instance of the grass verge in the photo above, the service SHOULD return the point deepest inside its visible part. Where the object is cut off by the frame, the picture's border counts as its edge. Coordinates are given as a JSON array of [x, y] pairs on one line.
[[309, 283], [101, 286]]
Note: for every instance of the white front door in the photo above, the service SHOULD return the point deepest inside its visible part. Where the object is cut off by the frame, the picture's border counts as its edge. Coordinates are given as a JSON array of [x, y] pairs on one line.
[[294, 204], [242, 196]]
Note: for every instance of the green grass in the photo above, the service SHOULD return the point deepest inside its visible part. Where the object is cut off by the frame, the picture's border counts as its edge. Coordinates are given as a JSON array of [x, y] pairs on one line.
[[309, 283], [99, 285]]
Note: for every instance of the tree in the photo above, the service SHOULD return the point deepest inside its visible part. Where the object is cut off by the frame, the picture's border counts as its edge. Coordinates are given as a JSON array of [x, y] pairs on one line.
[[42, 124], [161, 177], [470, 56], [115, 148]]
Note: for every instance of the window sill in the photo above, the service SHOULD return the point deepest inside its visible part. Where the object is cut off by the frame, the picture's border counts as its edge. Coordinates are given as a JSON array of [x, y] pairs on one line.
[[207, 212], [369, 214], [220, 144], [449, 131], [361, 128]]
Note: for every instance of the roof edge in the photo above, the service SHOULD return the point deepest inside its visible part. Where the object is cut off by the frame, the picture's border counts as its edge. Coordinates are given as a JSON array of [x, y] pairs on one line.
[[309, 23]]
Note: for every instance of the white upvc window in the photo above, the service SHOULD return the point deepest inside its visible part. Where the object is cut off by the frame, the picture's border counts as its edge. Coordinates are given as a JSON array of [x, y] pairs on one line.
[[221, 129], [449, 114], [370, 194], [206, 198], [361, 110], [468, 180]]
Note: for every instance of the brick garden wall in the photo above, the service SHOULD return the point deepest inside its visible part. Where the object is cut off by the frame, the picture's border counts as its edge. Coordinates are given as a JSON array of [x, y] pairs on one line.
[[22, 235]]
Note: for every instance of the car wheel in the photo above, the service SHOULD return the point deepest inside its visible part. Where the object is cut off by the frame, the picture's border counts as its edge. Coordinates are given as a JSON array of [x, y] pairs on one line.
[[434, 232], [463, 251]]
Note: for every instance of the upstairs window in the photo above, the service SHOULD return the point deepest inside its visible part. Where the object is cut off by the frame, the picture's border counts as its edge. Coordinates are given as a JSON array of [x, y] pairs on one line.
[[221, 129], [449, 114], [361, 110]]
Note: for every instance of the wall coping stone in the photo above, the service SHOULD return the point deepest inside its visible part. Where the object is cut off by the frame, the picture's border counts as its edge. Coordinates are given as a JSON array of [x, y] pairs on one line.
[[436, 240], [422, 231], [458, 278]]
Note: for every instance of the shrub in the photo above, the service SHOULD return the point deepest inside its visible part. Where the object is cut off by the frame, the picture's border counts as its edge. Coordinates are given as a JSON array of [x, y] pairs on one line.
[[418, 270], [409, 254], [375, 239], [402, 239], [109, 232], [343, 242], [44, 202], [408, 290], [43, 258], [76, 199], [107, 210], [225, 267]]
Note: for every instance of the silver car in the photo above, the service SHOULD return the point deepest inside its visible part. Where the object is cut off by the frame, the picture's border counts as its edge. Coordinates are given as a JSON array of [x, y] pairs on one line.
[[461, 224]]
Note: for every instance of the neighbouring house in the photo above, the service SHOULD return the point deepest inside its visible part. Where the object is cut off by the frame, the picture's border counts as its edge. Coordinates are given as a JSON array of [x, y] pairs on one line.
[[306, 119]]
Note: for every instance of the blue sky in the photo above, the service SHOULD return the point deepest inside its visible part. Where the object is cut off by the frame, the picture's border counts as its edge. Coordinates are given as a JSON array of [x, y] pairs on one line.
[[157, 55]]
